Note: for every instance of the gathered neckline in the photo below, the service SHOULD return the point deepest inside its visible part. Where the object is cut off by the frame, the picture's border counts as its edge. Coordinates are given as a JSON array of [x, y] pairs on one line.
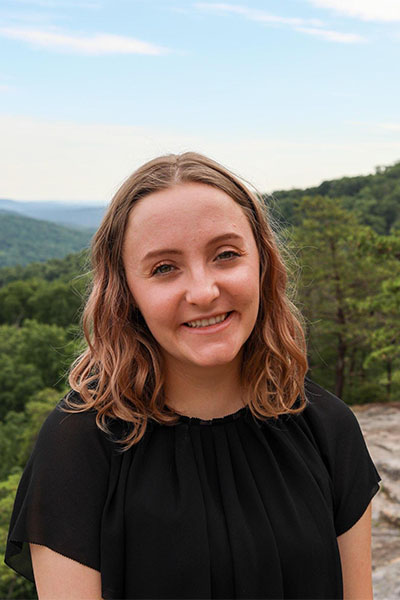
[[214, 421]]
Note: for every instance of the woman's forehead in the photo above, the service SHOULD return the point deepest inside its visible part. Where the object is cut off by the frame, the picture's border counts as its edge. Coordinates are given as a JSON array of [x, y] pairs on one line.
[[185, 202], [176, 218]]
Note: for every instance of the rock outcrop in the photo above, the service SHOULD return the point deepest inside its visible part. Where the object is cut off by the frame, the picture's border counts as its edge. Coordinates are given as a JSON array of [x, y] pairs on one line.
[[380, 424]]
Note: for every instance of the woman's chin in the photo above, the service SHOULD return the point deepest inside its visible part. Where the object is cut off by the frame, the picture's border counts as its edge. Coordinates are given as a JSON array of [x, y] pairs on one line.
[[214, 361]]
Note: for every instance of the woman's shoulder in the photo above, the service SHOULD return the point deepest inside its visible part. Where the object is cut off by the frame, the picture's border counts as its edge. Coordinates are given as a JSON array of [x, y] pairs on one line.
[[333, 428], [75, 431], [329, 420], [63, 490], [323, 404]]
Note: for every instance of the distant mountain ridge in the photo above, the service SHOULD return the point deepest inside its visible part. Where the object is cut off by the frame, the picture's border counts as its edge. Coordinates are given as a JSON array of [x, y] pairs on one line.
[[24, 240], [71, 215]]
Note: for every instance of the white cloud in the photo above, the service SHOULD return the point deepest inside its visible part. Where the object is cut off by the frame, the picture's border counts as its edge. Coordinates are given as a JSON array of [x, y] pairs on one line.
[[256, 15], [333, 36], [67, 161], [367, 10], [96, 44], [313, 27]]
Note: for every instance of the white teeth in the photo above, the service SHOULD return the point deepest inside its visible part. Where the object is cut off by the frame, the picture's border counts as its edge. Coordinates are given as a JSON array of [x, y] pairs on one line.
[[205, 322]]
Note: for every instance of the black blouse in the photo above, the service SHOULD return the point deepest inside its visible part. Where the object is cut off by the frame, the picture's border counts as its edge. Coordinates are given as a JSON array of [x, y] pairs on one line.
[[231, 507]]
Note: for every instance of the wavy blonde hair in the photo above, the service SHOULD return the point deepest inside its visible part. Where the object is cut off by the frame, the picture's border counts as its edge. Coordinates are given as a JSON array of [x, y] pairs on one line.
[[120, 373]]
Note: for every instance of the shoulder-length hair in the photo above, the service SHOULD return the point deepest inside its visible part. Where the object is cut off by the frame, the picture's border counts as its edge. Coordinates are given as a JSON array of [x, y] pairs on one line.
[[120, 373]]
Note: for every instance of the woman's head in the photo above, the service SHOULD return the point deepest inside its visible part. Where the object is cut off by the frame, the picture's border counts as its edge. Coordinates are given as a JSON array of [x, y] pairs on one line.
[[164, 173], [190, 258], [123, 357]]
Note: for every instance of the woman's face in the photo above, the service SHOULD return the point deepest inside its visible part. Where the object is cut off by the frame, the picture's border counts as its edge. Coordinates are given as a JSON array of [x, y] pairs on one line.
[[192, 266]]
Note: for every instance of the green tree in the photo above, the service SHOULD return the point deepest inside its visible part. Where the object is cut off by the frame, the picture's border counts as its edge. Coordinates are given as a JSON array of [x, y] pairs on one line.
[[34, 356], [14, 301], [335, 279], [18, 430], [58, 302], [383, 309]]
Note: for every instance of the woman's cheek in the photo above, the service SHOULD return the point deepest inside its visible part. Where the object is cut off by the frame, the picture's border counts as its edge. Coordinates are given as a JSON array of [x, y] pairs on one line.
[[162, 303], [245, 284]]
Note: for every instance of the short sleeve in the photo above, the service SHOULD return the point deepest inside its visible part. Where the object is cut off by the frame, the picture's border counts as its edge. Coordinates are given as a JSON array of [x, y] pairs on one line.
[[355, 479], [62, 491]]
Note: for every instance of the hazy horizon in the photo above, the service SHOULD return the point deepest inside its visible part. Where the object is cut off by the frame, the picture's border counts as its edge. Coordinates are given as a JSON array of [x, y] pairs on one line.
[[94, 202]]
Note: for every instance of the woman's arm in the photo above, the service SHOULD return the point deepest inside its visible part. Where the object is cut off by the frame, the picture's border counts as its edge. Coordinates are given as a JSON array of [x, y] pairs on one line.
[[58, 577], [355, 556]]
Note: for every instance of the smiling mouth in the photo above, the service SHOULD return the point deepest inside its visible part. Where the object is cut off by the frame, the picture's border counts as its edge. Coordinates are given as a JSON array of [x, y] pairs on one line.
[[207, 322]]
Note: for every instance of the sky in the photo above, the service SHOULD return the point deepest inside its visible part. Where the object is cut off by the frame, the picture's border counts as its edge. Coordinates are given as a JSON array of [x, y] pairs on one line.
[[286, 94]]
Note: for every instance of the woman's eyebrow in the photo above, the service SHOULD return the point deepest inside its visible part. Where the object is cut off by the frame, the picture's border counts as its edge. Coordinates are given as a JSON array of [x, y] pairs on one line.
[[219, 238]]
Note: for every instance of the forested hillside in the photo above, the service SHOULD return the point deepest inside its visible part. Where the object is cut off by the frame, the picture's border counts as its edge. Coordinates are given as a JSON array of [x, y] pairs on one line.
[[24, 240], [374, 199], [344, 244]]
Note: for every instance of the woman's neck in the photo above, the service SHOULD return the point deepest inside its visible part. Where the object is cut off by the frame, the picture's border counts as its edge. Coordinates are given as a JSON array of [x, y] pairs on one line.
[[204, 393]]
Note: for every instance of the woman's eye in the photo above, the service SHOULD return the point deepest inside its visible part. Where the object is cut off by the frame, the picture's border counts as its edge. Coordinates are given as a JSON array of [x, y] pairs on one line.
[[228, 254], [162, 269], [166, 269]]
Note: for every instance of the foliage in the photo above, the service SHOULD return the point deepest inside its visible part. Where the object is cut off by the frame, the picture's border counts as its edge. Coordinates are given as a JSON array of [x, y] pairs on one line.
[[374, 199], [33, 357], [349, 325], [55, 303], [63, 269], [19, 429]]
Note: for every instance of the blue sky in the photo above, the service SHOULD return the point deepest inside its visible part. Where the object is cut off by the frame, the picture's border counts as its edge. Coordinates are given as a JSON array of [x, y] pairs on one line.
[[286, 94]]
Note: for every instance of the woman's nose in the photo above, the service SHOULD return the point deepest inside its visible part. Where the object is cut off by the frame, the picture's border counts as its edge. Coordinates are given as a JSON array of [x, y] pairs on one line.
[[202, 289]]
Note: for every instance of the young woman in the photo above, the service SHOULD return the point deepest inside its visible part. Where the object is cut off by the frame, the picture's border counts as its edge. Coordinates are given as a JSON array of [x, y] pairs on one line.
[[193, 457]]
